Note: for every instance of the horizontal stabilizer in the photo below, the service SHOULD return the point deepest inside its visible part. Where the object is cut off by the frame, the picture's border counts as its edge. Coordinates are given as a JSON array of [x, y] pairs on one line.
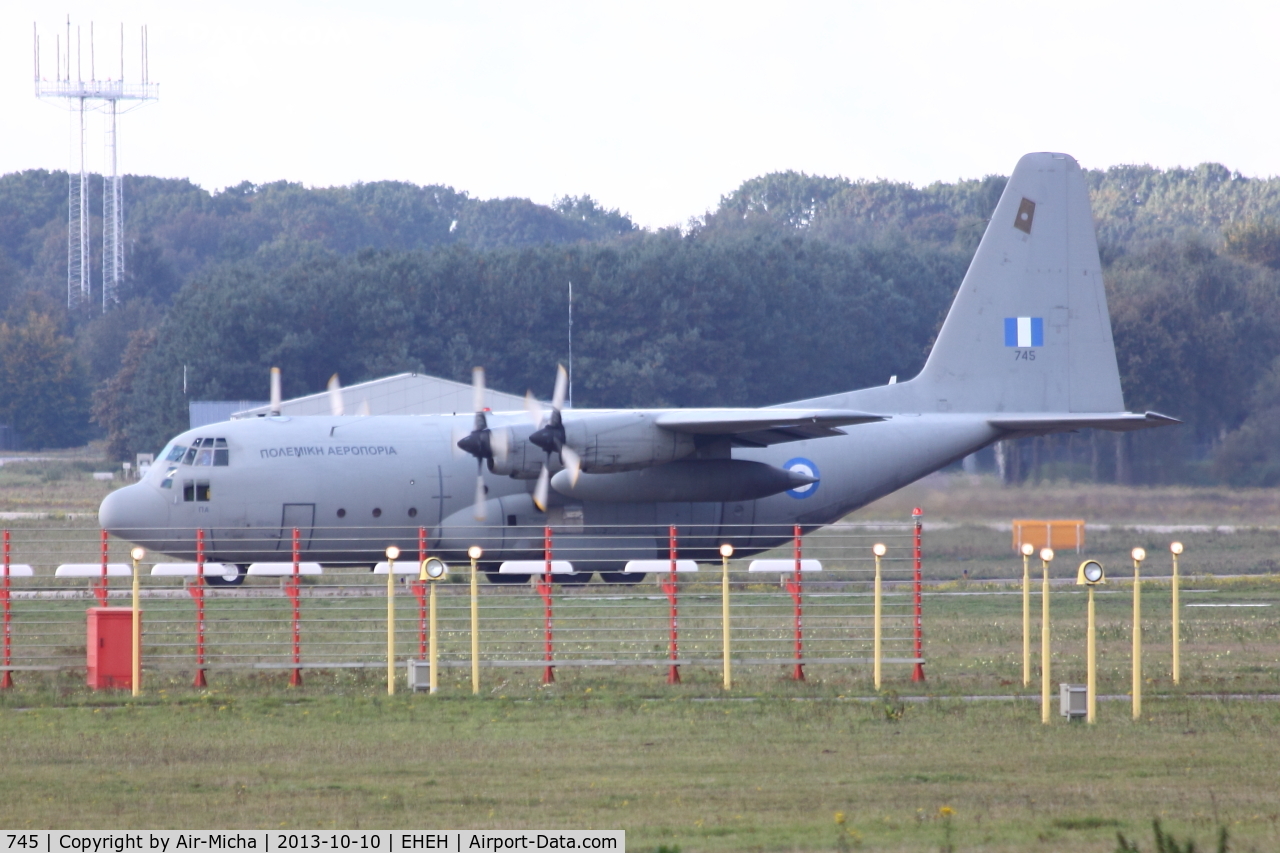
[[762, 427], [1057, 422]]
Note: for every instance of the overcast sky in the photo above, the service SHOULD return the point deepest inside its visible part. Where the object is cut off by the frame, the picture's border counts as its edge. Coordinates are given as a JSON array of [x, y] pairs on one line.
[[656, 108]]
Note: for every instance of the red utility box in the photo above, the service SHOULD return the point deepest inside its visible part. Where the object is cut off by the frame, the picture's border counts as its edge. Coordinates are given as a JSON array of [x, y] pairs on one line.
[[110, 647]]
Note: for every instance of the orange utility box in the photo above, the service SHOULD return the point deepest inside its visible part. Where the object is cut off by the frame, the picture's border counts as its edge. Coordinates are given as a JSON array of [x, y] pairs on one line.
[[1059, 534], [110, 647]]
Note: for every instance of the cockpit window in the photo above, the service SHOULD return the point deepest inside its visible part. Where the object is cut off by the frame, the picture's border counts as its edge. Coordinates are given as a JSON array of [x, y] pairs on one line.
[[204, 452], [175, 453], [167, 483]]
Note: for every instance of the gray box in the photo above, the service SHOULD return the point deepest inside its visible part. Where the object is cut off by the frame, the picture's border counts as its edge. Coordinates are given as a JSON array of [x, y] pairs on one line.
[[419, 675], [1073, 701]]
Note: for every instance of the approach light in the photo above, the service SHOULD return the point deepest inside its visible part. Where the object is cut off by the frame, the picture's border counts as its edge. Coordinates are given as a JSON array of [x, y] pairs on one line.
[[433, 569], [1046, 554], [138, 553], [1090, 573], [1028, 549], [878, 549], [474, 552], [726, 550], [1138, 554], [1175, 548], [392, 552]]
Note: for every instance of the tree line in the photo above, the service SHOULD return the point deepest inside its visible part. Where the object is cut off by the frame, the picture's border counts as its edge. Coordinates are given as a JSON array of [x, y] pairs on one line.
[[794, 286]]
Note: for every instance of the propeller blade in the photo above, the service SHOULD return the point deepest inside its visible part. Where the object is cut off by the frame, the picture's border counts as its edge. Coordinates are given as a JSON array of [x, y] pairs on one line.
[[562, 385], [500, 444], [477, 389], [480, 512], [572, 461], [275, 391], [336, 406], [540, 491], [533, 408]]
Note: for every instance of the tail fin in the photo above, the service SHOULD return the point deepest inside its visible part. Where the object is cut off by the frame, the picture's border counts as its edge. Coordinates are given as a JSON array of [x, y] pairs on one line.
[[1029, 330]]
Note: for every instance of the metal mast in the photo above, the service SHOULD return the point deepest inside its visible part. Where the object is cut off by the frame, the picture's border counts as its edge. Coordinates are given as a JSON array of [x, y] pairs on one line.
[[81, 96]]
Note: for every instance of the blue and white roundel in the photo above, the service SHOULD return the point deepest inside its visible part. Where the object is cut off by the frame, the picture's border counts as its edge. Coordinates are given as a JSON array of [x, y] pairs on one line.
[[803, 466]]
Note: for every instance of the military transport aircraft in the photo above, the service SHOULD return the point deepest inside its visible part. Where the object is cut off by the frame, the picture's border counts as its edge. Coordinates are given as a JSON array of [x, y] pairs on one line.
[[1025, 350]]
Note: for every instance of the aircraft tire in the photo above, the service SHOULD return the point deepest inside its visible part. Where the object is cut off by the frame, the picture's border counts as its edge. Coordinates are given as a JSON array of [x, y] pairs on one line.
[[495, 577], [622, 577], [221, 580], [575, 579]]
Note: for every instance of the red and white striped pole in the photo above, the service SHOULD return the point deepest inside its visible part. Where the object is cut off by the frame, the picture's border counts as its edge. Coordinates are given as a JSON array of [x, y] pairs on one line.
[[420, 592], [295, 678], [101, 590], [6, 681], [917, 516], [544, 589], [197, 593], [798, 673], [669, 586]]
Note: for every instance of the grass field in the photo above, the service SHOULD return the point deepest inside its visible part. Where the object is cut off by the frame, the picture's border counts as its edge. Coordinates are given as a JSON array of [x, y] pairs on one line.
[[777, 765]]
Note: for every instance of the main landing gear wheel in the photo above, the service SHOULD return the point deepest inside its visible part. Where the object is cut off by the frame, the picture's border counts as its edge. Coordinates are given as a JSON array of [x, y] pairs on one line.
[[228, 579], [627, 579], [497, 577]]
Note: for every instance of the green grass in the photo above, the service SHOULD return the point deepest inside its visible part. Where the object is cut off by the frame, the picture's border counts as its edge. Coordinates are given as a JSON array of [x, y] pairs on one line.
[[684, 767], [725, 775]]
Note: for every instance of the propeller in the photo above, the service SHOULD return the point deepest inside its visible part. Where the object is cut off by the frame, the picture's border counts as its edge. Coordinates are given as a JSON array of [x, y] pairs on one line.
[[275, 391], [336, 405], [550, 437], [482, 442]]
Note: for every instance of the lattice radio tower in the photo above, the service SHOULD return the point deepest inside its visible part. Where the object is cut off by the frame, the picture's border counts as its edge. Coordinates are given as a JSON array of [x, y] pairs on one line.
[[81, 96]]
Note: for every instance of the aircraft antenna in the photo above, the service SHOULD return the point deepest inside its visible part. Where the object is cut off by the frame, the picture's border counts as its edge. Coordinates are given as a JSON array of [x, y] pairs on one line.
[[82, 96], [570, 343]]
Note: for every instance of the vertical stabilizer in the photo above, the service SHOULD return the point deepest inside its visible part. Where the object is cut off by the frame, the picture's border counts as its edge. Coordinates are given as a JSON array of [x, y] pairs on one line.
[[1029, 330]]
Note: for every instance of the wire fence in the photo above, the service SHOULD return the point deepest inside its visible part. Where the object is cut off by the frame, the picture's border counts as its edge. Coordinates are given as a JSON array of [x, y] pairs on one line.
[[634, 597]]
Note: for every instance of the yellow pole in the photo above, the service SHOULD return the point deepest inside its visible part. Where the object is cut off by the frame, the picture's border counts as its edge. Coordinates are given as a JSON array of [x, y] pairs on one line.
[[1091, 682], [136, 672], [1045, 556], [1026, 618], [391, 619], [1176, 549], [1138, 555], [431, 643], [878, 550], [726, 551], [473, 552]]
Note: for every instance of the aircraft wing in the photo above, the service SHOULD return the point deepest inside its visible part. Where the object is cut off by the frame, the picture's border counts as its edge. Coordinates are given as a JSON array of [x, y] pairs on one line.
[[762, 427], [1059, 422]]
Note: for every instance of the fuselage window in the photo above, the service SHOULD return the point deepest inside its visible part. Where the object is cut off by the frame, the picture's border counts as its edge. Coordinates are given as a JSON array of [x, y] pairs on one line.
[[221, 453]]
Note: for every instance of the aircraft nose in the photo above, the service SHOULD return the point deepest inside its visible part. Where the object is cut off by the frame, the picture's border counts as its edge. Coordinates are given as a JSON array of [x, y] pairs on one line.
[[132, 512]]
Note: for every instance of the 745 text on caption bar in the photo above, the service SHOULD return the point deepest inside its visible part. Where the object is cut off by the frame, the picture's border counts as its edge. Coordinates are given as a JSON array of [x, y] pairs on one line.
[[277, 841]]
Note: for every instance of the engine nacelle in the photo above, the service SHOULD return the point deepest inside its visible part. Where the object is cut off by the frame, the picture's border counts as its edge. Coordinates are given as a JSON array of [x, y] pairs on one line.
[[523, 459], [611, 442]]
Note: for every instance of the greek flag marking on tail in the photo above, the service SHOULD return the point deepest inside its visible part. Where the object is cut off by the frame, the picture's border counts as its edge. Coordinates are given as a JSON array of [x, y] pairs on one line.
[[1024, 331]]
